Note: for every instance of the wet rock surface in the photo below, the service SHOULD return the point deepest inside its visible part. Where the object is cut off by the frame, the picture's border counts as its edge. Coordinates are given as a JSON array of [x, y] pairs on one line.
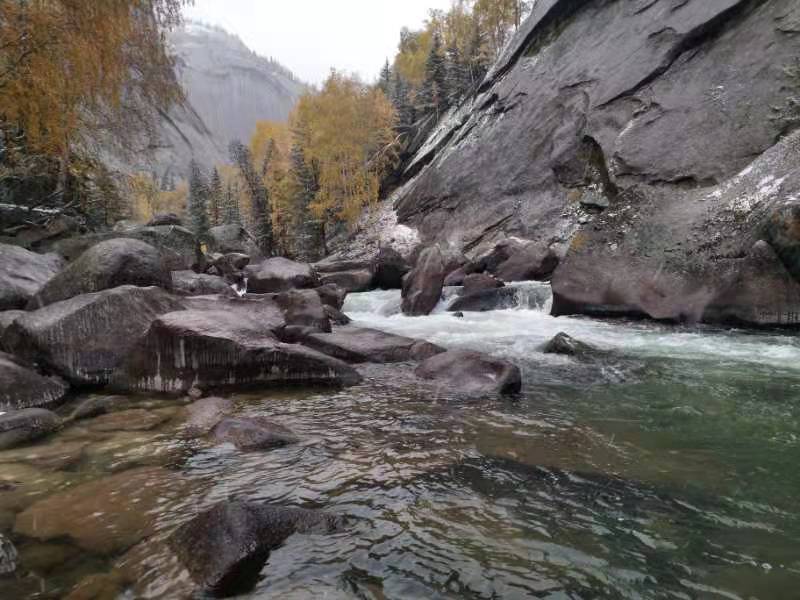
[[189, 283], [8, 317], [304, 308], [22, 387], [203, 415], [565, 345], [478, 282], [351, 281], [472, 373], [8, 556], [23, 274], [422, 287], [107, 265], [225, 548], [494, 298], [361, 345], [85, 338], [332, 295], [27, 425]]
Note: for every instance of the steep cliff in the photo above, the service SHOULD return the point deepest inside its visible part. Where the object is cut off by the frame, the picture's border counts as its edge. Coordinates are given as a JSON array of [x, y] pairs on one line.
[[648, 134]]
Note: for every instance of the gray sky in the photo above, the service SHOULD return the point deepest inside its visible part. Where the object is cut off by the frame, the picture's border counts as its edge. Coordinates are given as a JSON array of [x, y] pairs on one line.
[[311, 36]]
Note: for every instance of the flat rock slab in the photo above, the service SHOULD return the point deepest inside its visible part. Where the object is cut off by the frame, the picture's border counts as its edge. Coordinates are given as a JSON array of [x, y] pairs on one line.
[[225, 548], [104, 516], [253, 433], [362, 345], [280, 275], [463, 371], [129, 420], [57, 455]]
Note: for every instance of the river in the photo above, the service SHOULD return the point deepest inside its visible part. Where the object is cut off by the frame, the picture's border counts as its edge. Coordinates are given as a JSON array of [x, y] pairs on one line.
[[665, 467]]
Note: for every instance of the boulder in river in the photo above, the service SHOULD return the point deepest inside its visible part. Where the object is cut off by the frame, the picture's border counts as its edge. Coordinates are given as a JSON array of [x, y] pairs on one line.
[[252, 433], [568, 346], [351, 281], [422, 287], [23, 274], [528, 262], [220, 349], [22, 387], [303, 308], [362, 345], [464, 371], [203, 415], [330, 294], [478, 282], [27, 425], [104, 266], [85, 338], [280, 275], [225, 548], [501, 298], [336, 316], [189, 283]]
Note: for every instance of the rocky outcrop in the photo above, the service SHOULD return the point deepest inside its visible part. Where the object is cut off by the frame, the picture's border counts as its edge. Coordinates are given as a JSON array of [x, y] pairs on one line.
[[85, 338], [280, 275], [218, 349], [361, 345], [23, 274], [104, 266], [225, 548], [23, 426], [189, 283], [253, 433], [463, 371], [612, 128], [422, 287], [23, 387]]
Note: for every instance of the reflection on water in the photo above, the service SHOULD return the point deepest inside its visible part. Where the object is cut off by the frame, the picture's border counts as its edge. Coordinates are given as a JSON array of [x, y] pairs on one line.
[[668, 469]]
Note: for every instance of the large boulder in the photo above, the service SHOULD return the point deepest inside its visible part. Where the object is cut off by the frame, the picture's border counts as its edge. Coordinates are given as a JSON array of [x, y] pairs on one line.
[[501, 298], [225, 548], [530, 262], [23, 387], [336, 263], [389, 269], [27, 425], [233, 238], [104, 266], [304, 308], [330, 294], [85, 338], [478, 282], [220, 349], [463, 371], [279, 275], [422, 287], [189, 283], [360, 280], [23, 274], [8, 317], [566, 345], [253, 433], [361, 345]]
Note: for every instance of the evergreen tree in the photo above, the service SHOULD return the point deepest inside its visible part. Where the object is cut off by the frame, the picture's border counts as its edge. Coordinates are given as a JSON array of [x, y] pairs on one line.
[[215, 199], [385, 81], [433, 94], [308, 244], [259, 196], [476, 62], [198, 201], [458, 79], [231, 212], [400, 100]]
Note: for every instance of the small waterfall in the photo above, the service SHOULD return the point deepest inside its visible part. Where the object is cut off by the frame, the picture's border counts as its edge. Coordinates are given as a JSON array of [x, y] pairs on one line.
[[533, 295]]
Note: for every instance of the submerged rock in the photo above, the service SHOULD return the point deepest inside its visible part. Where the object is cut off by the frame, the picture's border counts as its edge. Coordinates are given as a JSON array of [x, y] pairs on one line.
[[471, 372], [225, 548], [104, 516], [202, 416], [280, 275], [221, 349], [253, 433], [23, 274], [22, 387], [27, 425], [361, 345], [8, 556], [85, 338], [104, 266], [567, 346], [422, 287]]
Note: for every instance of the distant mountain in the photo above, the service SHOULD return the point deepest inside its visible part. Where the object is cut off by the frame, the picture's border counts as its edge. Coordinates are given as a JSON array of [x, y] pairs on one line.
[[228, 89]]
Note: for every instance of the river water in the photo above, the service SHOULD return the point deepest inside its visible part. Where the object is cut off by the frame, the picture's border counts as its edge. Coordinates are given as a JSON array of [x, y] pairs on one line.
[[664, 467]]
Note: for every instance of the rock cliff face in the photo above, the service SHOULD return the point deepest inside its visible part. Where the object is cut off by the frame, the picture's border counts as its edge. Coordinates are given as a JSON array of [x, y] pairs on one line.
[[647, 134]]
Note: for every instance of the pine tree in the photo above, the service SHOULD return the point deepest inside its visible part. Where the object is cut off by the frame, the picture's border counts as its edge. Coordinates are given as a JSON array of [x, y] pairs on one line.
[[385, 81], [434, 88], [308, 244], [477, 64], [198, 201], [215, 199], [231, 212], [259, 196], [400, 100], [458, 80]]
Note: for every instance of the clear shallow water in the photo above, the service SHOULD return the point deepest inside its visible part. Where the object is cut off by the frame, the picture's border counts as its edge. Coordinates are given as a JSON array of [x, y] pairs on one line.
[[665, 469]]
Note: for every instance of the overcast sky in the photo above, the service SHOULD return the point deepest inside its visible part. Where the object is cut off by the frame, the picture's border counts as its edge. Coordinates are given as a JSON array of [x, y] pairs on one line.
[[311, 36]]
